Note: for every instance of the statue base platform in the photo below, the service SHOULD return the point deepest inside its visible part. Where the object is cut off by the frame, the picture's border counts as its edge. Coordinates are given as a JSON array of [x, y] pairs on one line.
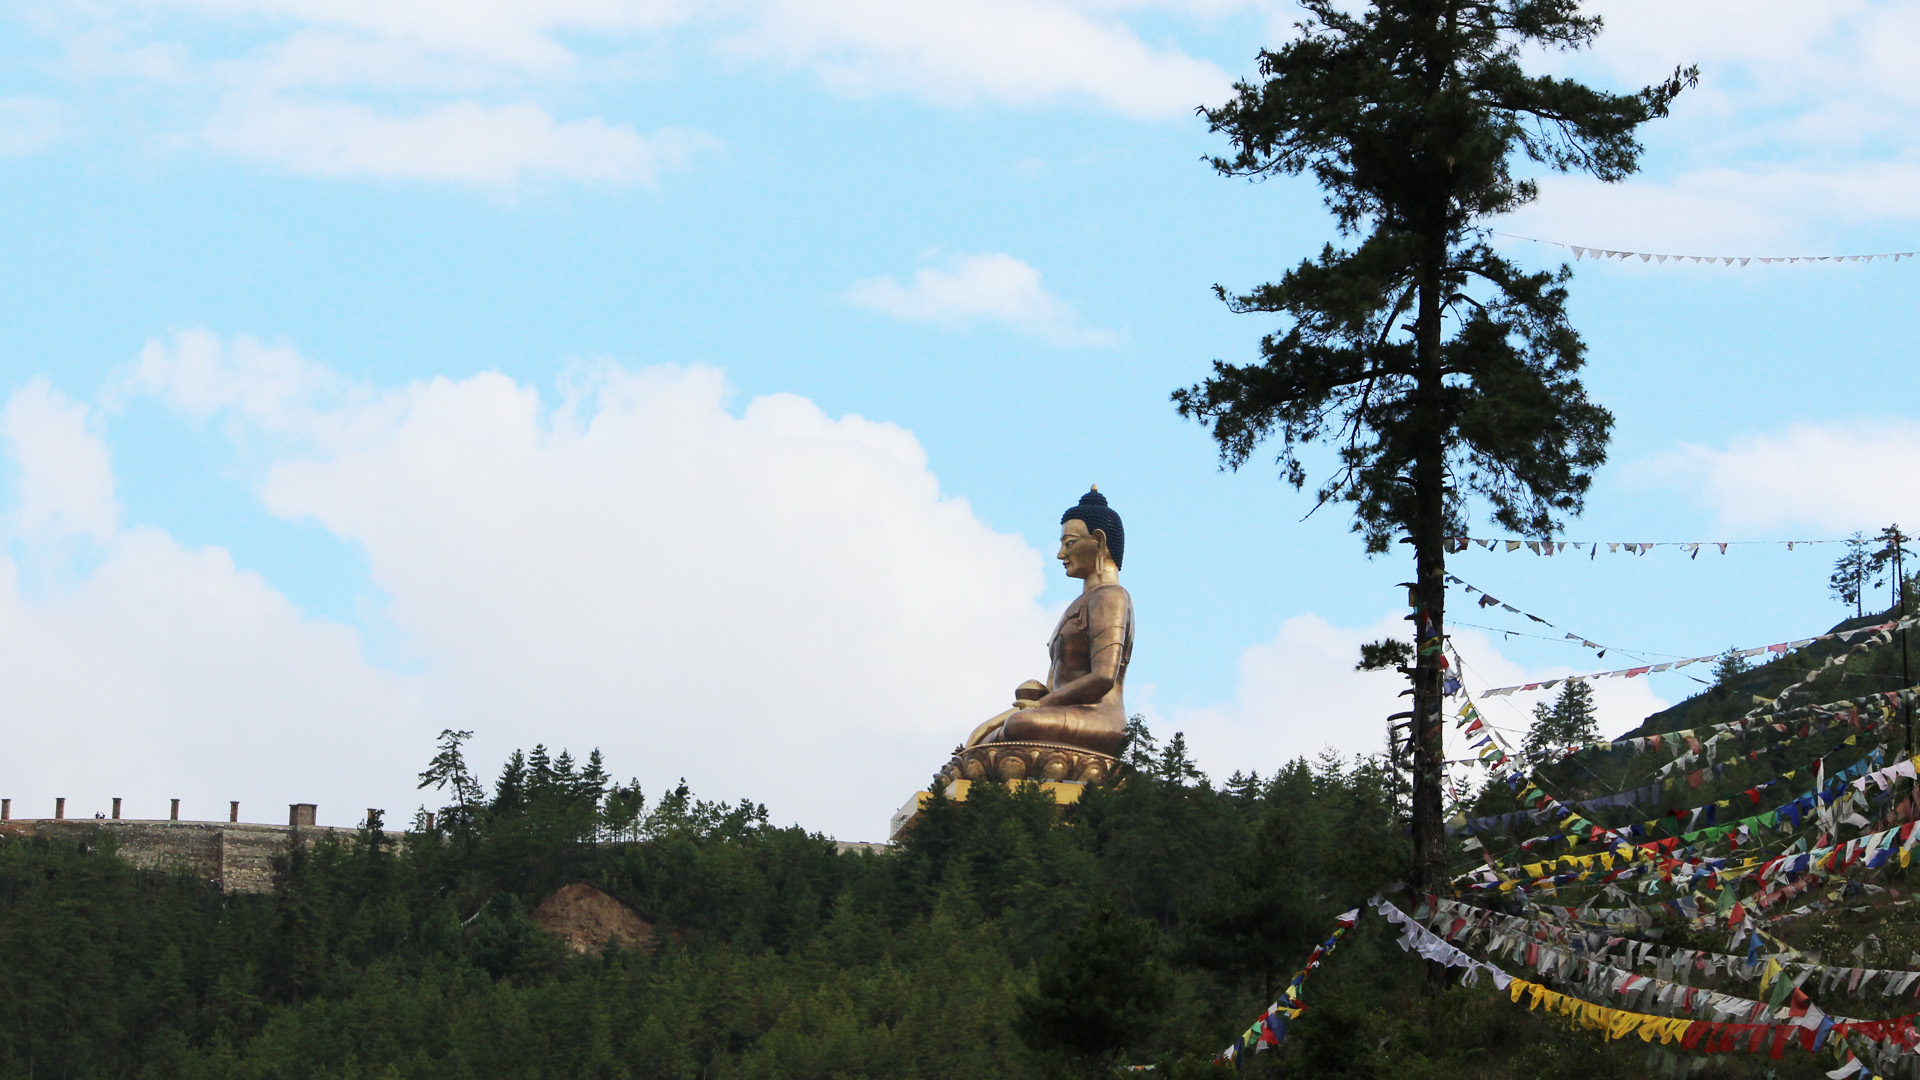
[[1043, 761], [1061, 770], [956, 790]]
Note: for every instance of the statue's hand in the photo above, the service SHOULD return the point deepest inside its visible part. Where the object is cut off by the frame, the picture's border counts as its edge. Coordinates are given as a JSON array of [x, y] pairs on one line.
[[1028, 694]]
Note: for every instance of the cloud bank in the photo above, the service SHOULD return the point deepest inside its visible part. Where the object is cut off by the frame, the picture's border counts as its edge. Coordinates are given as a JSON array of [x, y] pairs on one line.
[[1834, 477], [472, 93], [768, 601]]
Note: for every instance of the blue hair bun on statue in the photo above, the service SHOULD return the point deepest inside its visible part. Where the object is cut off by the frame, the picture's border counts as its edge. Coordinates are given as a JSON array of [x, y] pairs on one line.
[[1094, 511]]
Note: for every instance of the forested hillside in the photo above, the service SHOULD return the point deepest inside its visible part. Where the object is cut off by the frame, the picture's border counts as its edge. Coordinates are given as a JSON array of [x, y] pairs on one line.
[[1149, 924], [1150, 921]]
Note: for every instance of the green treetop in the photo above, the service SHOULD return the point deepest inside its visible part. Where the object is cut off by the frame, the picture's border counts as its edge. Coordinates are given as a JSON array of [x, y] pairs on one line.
[[1569, 721]]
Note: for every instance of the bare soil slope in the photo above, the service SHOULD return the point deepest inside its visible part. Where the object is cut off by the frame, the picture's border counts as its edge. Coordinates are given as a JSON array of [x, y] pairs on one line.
[[589, 920]]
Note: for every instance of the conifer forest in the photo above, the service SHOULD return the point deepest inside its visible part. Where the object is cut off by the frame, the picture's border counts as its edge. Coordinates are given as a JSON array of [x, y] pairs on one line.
[[1146, 925]]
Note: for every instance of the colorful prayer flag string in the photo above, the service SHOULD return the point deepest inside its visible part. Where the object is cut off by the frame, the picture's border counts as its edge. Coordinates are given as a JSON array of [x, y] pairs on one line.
[[1808, 1027], [1886, 704], [1802, 1024], [1643, 669], [1271, 1028], [1487, 599], [1581, 251], [1631, 547]]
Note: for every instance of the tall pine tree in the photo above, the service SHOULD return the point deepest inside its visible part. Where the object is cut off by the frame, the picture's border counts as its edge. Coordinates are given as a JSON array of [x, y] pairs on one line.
[[1889, 560], [1437, 369], [1851, 571]]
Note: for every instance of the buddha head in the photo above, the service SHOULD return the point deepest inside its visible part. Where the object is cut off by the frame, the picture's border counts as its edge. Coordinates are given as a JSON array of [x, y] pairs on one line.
[[1091, 537]]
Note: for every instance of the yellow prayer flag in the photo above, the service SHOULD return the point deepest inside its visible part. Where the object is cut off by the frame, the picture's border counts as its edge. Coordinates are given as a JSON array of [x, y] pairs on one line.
[[1768, 974], [1622, 1023]]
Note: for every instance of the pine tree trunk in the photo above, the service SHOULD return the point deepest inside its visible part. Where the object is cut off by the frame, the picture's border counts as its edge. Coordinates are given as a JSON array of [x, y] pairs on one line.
[[1429, 871], [1429, 604], [1428, 526]]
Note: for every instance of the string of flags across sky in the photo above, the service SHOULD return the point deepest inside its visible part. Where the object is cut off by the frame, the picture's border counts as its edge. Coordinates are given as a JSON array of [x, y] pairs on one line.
[[1487, 599], [1581, 251], [1644, 669], [1631, 547]]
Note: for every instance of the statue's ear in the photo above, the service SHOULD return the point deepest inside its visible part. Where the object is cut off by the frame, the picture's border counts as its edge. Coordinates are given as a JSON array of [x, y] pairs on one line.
[[1100, 535]]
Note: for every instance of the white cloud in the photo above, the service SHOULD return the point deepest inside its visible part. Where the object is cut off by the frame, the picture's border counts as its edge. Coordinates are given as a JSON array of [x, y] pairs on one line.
[[1760, 211], [63, 472], [517, 34], [264, 387], [1799, 127], [1299, 694], [1009, 51], [29, 123], [161, 672], [771, 602], [324, 59], [439, 91], [973, 288], [1836, 477], [495, 146]]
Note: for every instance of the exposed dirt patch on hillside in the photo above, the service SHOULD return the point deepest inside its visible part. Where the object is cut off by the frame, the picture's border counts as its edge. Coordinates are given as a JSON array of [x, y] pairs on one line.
[[588, 920]]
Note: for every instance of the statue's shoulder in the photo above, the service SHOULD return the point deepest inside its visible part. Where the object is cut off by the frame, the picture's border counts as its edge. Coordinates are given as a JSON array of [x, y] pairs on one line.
[[1109, 598]]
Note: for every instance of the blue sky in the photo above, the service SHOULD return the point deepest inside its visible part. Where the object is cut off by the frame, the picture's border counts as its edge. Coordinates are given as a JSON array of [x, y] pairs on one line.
[[703, 382]]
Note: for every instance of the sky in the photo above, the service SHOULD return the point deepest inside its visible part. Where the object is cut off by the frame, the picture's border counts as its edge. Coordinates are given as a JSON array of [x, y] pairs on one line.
[[704, 382]]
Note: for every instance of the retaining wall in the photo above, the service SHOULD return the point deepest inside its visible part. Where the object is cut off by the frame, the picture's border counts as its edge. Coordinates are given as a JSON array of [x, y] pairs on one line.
[[236, 856]]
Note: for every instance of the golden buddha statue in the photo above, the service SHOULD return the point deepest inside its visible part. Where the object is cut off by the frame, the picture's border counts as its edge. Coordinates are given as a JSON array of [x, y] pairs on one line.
[[1069, 727]]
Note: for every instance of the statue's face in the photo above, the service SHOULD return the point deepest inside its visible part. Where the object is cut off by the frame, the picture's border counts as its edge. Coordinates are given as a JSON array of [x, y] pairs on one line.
[[1079, 549]]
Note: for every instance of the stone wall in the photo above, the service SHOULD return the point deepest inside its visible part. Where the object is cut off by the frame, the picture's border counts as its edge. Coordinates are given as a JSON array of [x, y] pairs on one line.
[[237, 857]]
